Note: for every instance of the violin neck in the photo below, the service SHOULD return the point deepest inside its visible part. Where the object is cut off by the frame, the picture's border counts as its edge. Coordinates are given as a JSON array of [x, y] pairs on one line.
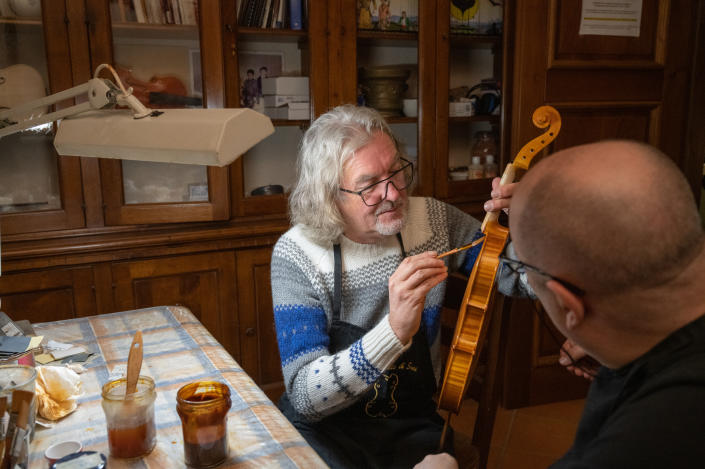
[[507, 178]]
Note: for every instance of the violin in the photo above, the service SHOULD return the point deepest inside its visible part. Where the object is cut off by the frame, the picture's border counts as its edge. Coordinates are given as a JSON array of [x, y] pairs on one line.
[[166, 91], [473, 316]]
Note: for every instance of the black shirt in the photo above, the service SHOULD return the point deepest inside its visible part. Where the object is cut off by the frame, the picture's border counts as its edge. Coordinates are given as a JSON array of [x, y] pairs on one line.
[[649, 413]]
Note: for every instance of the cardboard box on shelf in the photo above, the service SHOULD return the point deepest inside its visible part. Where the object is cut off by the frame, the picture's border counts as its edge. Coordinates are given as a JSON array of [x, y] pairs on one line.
[[291, 111], [277, 100], [296, 86], [461, 109]]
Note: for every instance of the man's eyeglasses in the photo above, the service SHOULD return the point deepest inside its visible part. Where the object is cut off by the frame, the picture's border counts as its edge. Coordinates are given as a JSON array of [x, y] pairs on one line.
[[521, 268], [375, 193]]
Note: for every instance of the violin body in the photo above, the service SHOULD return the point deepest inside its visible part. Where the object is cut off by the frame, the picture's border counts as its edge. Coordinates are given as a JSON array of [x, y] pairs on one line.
[[164, 85], [474, 314], [473, 320]]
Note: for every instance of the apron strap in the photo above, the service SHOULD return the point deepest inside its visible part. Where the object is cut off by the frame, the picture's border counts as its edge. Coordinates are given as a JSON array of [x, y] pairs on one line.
[[338, 276], [337, 281]]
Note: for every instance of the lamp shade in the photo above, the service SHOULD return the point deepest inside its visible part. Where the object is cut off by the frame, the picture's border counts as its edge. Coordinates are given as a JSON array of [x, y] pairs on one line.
[[214, 137]]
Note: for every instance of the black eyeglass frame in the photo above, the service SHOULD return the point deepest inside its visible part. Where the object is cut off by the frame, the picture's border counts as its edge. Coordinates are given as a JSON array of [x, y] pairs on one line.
[[511, 263], [386, 180]]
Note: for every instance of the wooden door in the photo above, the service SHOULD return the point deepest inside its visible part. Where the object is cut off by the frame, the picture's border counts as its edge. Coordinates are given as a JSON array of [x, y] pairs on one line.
[[201, 282], [50, 295], [259, 353], [604, 87]]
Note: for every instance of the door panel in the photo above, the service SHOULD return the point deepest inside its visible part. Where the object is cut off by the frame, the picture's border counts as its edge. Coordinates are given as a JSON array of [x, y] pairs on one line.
[[604, 87], [202, 282]]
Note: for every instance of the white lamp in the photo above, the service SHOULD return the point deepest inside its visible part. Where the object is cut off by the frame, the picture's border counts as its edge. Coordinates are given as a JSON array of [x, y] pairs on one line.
[[192, 136]]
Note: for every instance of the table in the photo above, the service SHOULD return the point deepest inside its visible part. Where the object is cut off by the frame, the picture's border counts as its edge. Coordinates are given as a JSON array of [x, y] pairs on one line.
[[177, 350]]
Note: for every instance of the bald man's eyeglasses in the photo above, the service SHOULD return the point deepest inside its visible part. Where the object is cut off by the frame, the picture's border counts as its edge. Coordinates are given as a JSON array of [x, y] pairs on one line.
[[376, 193], [520, 267]]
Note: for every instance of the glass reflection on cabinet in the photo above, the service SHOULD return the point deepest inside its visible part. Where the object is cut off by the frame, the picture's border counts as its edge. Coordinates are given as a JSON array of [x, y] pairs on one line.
[[29, 178], [169, 76]]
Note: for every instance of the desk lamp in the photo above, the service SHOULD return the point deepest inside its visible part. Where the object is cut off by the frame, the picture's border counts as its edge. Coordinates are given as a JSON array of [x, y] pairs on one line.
[[214, 137]]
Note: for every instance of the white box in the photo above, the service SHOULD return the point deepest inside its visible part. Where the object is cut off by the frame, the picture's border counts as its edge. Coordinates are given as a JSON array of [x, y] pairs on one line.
[[297, 86], [277, 100], [292, 111], [461, 109]]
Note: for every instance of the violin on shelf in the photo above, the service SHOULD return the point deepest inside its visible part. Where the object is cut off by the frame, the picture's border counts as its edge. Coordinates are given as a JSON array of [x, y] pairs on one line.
[[476, 306], [159, 91]]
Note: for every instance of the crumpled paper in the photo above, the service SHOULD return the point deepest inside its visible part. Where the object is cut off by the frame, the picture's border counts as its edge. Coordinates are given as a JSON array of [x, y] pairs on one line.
[[57, 388]]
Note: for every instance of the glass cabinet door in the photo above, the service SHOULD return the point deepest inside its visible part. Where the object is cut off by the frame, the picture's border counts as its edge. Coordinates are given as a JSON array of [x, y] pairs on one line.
[[270, 71], [157, 51], [388, 67], [38, 190], [469, 100]]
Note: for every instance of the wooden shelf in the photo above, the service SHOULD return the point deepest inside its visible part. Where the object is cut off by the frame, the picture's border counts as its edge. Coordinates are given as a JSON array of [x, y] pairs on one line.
[[478, 118], [155, 31], [272, 35], [387, 38], [22, 21], [290, 123], [475, 40]]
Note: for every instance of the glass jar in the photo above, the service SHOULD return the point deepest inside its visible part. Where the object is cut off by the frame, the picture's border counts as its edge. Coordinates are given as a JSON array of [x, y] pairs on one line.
[[483, 146], [130, 419], [203, 407]]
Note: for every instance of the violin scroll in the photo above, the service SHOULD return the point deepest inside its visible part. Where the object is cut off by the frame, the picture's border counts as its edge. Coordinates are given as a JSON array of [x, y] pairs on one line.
[[544, 116]]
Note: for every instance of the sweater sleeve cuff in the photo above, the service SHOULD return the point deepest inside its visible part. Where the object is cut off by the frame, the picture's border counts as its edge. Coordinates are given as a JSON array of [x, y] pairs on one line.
[[382, 346]]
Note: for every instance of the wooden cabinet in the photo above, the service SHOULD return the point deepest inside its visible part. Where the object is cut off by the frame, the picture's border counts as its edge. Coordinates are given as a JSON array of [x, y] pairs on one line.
[[201, 282], [40, 296], [259, 353]]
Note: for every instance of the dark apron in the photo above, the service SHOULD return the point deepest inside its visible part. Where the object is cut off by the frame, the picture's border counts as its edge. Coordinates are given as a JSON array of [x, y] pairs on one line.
[[395, 423]]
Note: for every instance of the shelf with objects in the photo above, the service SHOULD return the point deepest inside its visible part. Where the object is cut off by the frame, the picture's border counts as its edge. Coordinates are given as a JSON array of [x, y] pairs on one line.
[[272, 69], [390, 60], [469, 101], [38, 190]]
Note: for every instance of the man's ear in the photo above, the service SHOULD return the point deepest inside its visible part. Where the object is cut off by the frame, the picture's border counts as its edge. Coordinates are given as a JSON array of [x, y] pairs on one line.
[[572, 306]]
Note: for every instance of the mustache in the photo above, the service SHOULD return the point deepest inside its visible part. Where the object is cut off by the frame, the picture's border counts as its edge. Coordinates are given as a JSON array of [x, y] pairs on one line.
[[388, 205]]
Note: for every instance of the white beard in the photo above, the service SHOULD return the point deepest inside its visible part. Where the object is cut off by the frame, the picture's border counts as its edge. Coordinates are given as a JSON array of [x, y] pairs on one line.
[[395, 226]]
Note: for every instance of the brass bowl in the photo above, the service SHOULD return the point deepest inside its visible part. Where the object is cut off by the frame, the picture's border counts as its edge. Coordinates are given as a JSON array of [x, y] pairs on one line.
[[384, 88]]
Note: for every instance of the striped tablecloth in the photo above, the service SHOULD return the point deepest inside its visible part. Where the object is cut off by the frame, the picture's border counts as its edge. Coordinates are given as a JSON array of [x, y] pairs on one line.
[[177, 350]]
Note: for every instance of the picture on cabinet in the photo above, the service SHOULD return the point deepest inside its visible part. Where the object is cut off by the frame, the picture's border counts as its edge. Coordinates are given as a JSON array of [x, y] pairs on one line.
[[388, 15], [476, 16], [254, 66]]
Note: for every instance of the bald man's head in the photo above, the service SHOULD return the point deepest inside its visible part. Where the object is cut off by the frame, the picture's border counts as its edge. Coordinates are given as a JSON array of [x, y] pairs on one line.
[[606, 216]]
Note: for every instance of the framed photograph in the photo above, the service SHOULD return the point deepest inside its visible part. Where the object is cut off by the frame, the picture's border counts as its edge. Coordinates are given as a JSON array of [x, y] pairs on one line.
[[388, 15], [198, 192], [196, 77], [253, 67]]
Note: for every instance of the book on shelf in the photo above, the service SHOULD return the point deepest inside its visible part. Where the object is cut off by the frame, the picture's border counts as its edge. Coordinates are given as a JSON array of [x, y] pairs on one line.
[[271, 14], [295, 14], [160, 11]]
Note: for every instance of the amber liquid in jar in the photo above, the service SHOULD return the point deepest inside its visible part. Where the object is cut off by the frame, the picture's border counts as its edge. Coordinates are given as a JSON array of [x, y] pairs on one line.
[[203, 408], [131, 442], [130, 419]]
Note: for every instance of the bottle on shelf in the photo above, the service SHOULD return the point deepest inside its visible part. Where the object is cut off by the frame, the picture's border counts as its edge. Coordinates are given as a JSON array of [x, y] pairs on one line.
[[491, 168], [476, 170], [484, 144]]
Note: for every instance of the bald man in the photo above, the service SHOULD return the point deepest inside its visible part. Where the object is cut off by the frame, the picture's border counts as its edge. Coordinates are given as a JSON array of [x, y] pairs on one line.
[[610, 237]]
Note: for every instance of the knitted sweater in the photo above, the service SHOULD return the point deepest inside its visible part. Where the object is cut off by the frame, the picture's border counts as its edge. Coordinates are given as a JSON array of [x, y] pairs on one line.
[[319, 383]]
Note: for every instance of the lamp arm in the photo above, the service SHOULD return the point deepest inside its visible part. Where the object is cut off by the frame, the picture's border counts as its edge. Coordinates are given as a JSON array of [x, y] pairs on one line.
[[101, 93]]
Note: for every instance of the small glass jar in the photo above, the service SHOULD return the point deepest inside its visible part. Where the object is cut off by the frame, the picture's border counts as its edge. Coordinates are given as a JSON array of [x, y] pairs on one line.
[[203, 407], [130, 419], [484, 145]]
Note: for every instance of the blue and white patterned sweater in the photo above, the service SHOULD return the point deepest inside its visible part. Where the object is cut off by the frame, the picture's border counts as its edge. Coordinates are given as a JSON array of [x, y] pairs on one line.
[[319, 383]]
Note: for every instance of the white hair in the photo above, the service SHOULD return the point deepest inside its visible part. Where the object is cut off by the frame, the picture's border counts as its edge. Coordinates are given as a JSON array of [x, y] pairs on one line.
[[326, 146]]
